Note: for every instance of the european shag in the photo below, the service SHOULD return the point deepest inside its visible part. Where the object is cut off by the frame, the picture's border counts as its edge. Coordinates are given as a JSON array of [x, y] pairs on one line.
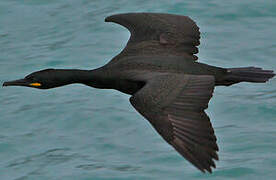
[[159, 69]]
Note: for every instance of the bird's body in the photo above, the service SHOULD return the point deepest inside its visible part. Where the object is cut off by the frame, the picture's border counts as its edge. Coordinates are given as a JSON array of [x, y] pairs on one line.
[[127, 74], [158, 68]]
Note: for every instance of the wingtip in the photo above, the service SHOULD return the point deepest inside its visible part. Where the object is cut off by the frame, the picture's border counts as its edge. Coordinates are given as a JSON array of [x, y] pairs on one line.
[[108, 19], [206, 169], [115, 17]]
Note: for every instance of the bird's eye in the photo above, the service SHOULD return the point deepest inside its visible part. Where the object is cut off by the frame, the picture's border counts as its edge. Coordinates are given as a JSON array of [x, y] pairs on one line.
[[31, 78], [33, 81]]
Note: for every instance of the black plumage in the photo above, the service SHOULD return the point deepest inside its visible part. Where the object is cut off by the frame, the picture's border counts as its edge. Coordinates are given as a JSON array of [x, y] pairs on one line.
[[169, 87]]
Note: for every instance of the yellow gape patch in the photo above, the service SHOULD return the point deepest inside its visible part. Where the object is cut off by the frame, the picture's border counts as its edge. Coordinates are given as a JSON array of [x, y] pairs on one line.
[[35, 84]]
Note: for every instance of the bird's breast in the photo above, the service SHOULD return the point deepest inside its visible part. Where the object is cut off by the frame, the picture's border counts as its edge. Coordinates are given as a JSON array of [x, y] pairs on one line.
[[128, 86]]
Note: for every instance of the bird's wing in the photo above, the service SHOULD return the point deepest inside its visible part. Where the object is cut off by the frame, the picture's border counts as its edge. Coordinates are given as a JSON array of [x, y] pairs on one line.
[[174, 104], [159, 34]]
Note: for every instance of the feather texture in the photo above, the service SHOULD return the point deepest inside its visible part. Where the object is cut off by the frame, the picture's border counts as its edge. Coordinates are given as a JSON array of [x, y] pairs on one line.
[[159, 34], [179, 116]]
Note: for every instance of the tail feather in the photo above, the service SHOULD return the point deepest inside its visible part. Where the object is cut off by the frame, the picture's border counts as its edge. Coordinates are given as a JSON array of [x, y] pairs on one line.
[[247, 74]]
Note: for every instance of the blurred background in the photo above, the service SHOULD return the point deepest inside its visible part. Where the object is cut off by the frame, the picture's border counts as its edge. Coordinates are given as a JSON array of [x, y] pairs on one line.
[[76, 132]]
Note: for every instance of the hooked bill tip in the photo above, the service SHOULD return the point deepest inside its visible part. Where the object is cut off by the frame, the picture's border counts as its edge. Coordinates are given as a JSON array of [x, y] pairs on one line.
[[4, 84]]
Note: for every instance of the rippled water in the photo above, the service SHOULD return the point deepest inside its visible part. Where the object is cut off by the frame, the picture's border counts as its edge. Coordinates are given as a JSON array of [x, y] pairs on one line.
[[76, 132]]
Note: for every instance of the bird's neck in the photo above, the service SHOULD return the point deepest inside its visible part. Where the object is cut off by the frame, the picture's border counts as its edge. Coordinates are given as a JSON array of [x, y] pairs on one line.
[[93, 78]]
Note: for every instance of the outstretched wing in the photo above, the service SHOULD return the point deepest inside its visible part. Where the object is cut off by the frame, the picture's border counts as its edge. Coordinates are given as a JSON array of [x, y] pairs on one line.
[[174, 104], [159, 34]]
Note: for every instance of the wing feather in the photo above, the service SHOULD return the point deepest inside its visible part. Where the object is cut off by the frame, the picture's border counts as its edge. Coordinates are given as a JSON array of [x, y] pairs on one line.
[[174, 105], [159, 34]]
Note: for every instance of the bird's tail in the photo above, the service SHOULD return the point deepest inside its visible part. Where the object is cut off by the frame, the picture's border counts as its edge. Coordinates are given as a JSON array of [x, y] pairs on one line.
[[247, 74]]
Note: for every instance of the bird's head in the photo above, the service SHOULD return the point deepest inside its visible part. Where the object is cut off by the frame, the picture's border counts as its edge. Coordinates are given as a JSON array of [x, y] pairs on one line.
[[44, 79]]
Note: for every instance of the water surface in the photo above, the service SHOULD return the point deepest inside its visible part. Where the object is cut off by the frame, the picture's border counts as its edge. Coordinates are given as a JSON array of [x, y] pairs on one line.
[[76, 132]]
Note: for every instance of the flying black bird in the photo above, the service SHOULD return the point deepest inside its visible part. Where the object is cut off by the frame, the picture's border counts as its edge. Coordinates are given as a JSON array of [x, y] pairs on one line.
[[158, 68]]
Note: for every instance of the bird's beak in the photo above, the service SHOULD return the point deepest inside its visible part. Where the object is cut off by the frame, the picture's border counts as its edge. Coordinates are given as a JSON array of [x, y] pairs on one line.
[[19, 82]]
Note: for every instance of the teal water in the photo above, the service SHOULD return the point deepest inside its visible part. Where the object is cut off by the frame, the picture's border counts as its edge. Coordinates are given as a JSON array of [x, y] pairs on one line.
[[79, 133]]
